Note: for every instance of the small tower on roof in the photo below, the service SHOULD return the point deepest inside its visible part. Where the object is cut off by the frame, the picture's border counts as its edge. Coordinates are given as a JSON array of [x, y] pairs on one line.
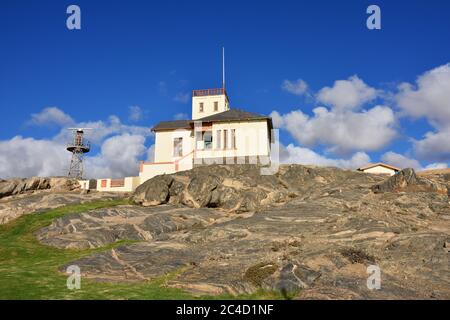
[[210, 101]]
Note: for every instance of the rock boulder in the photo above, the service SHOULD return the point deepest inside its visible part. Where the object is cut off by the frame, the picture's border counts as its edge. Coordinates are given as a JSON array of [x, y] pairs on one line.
[[237, 188], [17, 186], [153, 192], [407, 180]]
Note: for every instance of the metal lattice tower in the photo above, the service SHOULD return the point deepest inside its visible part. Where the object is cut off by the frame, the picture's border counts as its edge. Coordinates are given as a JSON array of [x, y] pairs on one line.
[[78, 146]]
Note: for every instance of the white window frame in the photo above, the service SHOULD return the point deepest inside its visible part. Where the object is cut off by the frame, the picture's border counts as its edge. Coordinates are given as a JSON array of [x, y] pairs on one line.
[[218, 139]]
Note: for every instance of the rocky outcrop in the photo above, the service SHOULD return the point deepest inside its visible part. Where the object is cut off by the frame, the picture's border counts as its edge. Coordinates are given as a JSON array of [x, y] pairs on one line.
[[234, 188], [407, 180], [18, 186], [441, 176], [105, 226], [241, 188], [315, 242], [27, 196], [315, 248], [24, 196]]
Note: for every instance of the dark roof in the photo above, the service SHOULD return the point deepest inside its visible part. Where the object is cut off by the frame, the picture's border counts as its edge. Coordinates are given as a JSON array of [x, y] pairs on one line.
[[229, 115], [234, 114], [170, 125]]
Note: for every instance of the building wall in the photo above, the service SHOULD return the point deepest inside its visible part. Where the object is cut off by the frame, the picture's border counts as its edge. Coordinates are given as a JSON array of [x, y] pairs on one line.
[[165, 162], [252, 146], [208, 105], [150, 170], [380, 170], [164, 144], [252, 139], [84, 184], [185, 163], [129, 184], [88, 184]]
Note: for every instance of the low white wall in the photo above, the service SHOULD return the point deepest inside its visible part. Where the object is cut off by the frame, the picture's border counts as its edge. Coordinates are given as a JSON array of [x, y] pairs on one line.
[[150, 170], [84, 184], [114, 185], [184, 163]]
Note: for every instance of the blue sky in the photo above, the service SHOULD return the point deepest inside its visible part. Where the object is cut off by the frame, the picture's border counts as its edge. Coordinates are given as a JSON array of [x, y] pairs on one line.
[[149, 55]]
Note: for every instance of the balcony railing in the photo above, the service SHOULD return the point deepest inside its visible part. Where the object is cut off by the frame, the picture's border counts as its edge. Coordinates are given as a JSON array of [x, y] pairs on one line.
[[82, 145], [208, 92]]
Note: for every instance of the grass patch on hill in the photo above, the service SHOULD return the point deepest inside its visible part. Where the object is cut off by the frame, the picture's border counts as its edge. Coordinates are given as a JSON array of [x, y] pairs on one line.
[[29, 269]]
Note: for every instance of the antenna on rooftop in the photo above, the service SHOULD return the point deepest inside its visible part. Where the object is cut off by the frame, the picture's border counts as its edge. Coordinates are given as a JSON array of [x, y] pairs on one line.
[[223, 68], [78, 146]]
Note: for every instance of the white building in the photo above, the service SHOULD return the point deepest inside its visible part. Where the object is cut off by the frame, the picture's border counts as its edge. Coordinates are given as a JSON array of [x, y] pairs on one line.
[[380, 168], [215, 134]]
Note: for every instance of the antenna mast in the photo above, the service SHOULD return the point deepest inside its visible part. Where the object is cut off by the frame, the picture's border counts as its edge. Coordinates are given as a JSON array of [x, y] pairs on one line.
[[78, 146], [223, 68]]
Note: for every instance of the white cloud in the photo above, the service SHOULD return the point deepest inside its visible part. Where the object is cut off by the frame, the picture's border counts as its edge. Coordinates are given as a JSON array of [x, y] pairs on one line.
[[151, 153], [436, 165], [400, 161], [51, 116], [430, 98], [121, 147], [135, 113], [341, 132], [104, 129], [182, 97], [298, 87], [300, 155], [347, 94], [341, 128], [181, 116], [435, 146], [25, 157], [119, 157]]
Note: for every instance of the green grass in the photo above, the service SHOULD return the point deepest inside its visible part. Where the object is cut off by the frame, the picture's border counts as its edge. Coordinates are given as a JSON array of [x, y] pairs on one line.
[[29, 269]]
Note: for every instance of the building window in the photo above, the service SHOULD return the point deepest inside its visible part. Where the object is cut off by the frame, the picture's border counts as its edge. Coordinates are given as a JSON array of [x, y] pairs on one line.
[[233, 138], [177, 147], [216, 106], [218, 138], [103, 185], [225, 139], [207, 137], [201, 107]]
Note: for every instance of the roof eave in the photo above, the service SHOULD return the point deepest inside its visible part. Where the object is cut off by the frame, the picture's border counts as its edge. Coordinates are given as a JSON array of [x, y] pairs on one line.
[[379, 164], [169, 129], [236, 120]]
